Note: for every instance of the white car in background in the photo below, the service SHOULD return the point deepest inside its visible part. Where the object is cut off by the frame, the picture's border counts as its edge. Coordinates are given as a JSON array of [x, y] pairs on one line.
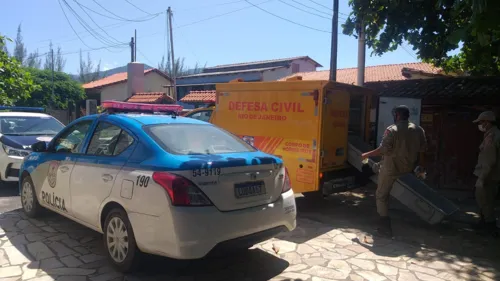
[[19, 129]]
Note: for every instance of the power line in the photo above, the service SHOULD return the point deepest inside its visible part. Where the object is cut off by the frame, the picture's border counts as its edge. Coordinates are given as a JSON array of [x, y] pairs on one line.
[[96, 35], [407, 51], [84, 51], [211, 6], [319, 4], [118, 17], [69, 22], [224, 14], [122, 18], [132, 4], [300, 9], [144, 56], [285, 19]]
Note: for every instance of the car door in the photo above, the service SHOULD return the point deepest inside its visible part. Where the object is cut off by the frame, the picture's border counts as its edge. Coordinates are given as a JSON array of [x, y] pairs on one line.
[[95, 171], [60, 160]]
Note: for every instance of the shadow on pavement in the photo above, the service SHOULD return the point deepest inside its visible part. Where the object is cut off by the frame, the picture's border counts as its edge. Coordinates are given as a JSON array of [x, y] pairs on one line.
[[447, 246], [60, 248]]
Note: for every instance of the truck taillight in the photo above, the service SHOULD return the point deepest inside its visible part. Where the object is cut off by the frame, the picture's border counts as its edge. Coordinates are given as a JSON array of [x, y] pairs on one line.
[[182, 192], [287, 184]]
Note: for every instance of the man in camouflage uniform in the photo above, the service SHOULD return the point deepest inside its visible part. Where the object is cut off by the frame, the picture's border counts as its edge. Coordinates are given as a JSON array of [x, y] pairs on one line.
[[488, 170], [400, 148]]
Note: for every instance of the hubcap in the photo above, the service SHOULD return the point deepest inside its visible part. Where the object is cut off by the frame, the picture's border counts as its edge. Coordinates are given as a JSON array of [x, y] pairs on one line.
[[117, 239], [27, 197]]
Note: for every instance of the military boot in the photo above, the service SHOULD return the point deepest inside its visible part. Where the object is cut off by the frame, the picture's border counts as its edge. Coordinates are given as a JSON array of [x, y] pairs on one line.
[[384, 227]]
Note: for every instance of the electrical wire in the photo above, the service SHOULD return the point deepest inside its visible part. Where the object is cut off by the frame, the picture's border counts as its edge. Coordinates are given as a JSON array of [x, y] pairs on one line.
[[145, 57], [288, 20], [122, 18], [116, 40], [319, 4], [132, 4], [224, 14], [83, 51], [96, 35], [212, 6], [300, 9], [69, 22]]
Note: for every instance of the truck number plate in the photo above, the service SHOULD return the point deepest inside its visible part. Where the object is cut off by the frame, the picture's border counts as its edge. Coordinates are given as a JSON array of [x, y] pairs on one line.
[[248, 189]]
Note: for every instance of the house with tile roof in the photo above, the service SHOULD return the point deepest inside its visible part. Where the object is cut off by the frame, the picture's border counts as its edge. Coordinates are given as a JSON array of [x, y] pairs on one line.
[[146, 86], [373, 75], [266, 70]]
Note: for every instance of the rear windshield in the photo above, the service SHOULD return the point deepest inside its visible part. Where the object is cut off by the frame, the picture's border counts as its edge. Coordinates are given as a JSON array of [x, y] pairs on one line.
[[196, 139]]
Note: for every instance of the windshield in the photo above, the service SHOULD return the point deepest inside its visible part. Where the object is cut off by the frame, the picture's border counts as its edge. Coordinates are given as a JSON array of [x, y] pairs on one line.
[[194, 139], [29, 125]]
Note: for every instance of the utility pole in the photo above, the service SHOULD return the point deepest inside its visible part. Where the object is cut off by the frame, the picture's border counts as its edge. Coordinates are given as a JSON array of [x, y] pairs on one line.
[[52, 59], [333, 56], [361, 53], [132, 49], [173, 74], [135, 44]]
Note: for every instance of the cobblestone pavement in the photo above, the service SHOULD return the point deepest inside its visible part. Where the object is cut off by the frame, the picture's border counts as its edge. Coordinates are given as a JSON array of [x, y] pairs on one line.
[[55, 248]]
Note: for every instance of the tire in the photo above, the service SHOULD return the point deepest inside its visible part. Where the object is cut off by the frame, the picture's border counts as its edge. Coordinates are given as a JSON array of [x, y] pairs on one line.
[[127, 259], [29, 200]]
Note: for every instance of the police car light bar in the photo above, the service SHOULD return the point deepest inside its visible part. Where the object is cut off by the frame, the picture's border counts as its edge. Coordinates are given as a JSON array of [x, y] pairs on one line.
[[22, 109], [119, 106]]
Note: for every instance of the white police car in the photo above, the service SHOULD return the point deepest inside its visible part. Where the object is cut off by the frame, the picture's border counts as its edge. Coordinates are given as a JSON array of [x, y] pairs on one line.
[[20, 127], [159, 184]]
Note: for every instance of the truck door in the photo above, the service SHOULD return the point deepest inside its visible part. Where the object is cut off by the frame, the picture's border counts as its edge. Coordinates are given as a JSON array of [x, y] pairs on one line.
[[334, 128]]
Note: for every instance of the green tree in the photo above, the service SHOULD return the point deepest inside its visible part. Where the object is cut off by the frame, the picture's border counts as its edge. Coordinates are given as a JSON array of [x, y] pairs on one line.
[[434, 28], [180, 68], [54, 60], [88, 72], [20, 51], [15, 82], [34, 60], [66, 90]]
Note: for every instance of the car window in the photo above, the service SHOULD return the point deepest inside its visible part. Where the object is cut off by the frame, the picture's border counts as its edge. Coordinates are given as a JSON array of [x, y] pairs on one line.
[[124, 141], [193, 139], [108, 140], [29, 125], [71, 140], [201, 115]]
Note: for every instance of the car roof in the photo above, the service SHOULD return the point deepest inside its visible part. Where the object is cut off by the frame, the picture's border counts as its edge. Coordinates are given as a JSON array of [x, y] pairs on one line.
[[23, 114], [150, 119]]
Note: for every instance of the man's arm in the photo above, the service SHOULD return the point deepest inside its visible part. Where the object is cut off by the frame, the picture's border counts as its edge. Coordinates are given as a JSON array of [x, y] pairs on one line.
[[488, 158], [385, 148]]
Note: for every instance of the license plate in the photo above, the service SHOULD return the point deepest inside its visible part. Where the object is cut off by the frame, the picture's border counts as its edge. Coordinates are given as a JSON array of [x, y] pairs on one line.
[[249, 189]]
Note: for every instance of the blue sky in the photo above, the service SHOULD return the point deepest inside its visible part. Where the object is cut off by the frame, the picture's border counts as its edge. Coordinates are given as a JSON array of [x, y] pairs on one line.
[[245, 35]]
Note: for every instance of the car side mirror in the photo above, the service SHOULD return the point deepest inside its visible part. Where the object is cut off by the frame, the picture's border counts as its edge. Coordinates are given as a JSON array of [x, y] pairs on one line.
[[40, 146]]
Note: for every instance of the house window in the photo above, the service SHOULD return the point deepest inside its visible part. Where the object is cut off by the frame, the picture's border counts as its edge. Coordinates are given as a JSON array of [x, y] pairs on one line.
[[295, 67]]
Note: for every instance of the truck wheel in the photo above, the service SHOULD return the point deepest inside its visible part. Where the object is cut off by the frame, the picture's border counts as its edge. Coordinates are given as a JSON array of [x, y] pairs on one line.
[[29, 200], [119, 241]]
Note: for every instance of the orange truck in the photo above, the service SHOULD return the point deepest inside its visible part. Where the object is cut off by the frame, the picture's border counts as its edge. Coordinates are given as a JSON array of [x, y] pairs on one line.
[[306, 123]]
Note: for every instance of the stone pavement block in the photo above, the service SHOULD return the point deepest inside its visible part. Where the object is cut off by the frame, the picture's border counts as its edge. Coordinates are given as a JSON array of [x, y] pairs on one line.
[[60, 249], [34, 237], [427, 277], [91, 258], [418, 268], [48, 229], [71, 261], [406, 275], [30, 270], [69, 271], [295, 276], [296, 268], [71, 278], [16, 255], [372, 276], [106, 276], [387, 269], [39, 250], [303, 249], [363, 264], [3, 258], [50, 263], [70, 242], [43, 278], [10, 271]]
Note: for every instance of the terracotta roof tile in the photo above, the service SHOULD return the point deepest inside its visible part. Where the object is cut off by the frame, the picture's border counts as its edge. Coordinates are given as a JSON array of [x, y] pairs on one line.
[[117, 78], [200, 96], [152, 97], [389, 72]]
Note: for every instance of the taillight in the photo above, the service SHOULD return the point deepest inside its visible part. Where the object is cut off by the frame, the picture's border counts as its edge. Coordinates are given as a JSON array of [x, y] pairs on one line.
[[182, 192], [287, 185]]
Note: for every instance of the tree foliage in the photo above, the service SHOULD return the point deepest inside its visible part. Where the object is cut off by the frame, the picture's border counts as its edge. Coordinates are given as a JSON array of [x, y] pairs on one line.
[[434, 28], [180, 68], [88, 72], [34, 60], [54, 60], [20, 51], [15, 82], [66, 90]]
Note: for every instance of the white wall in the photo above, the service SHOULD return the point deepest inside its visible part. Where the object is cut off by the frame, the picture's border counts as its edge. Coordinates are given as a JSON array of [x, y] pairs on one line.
[[153, 82], [305, 65], [274, 75]]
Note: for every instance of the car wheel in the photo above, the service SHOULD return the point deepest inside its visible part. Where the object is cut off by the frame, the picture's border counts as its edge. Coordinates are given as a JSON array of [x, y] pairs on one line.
[[29, 200], [119, 241]]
